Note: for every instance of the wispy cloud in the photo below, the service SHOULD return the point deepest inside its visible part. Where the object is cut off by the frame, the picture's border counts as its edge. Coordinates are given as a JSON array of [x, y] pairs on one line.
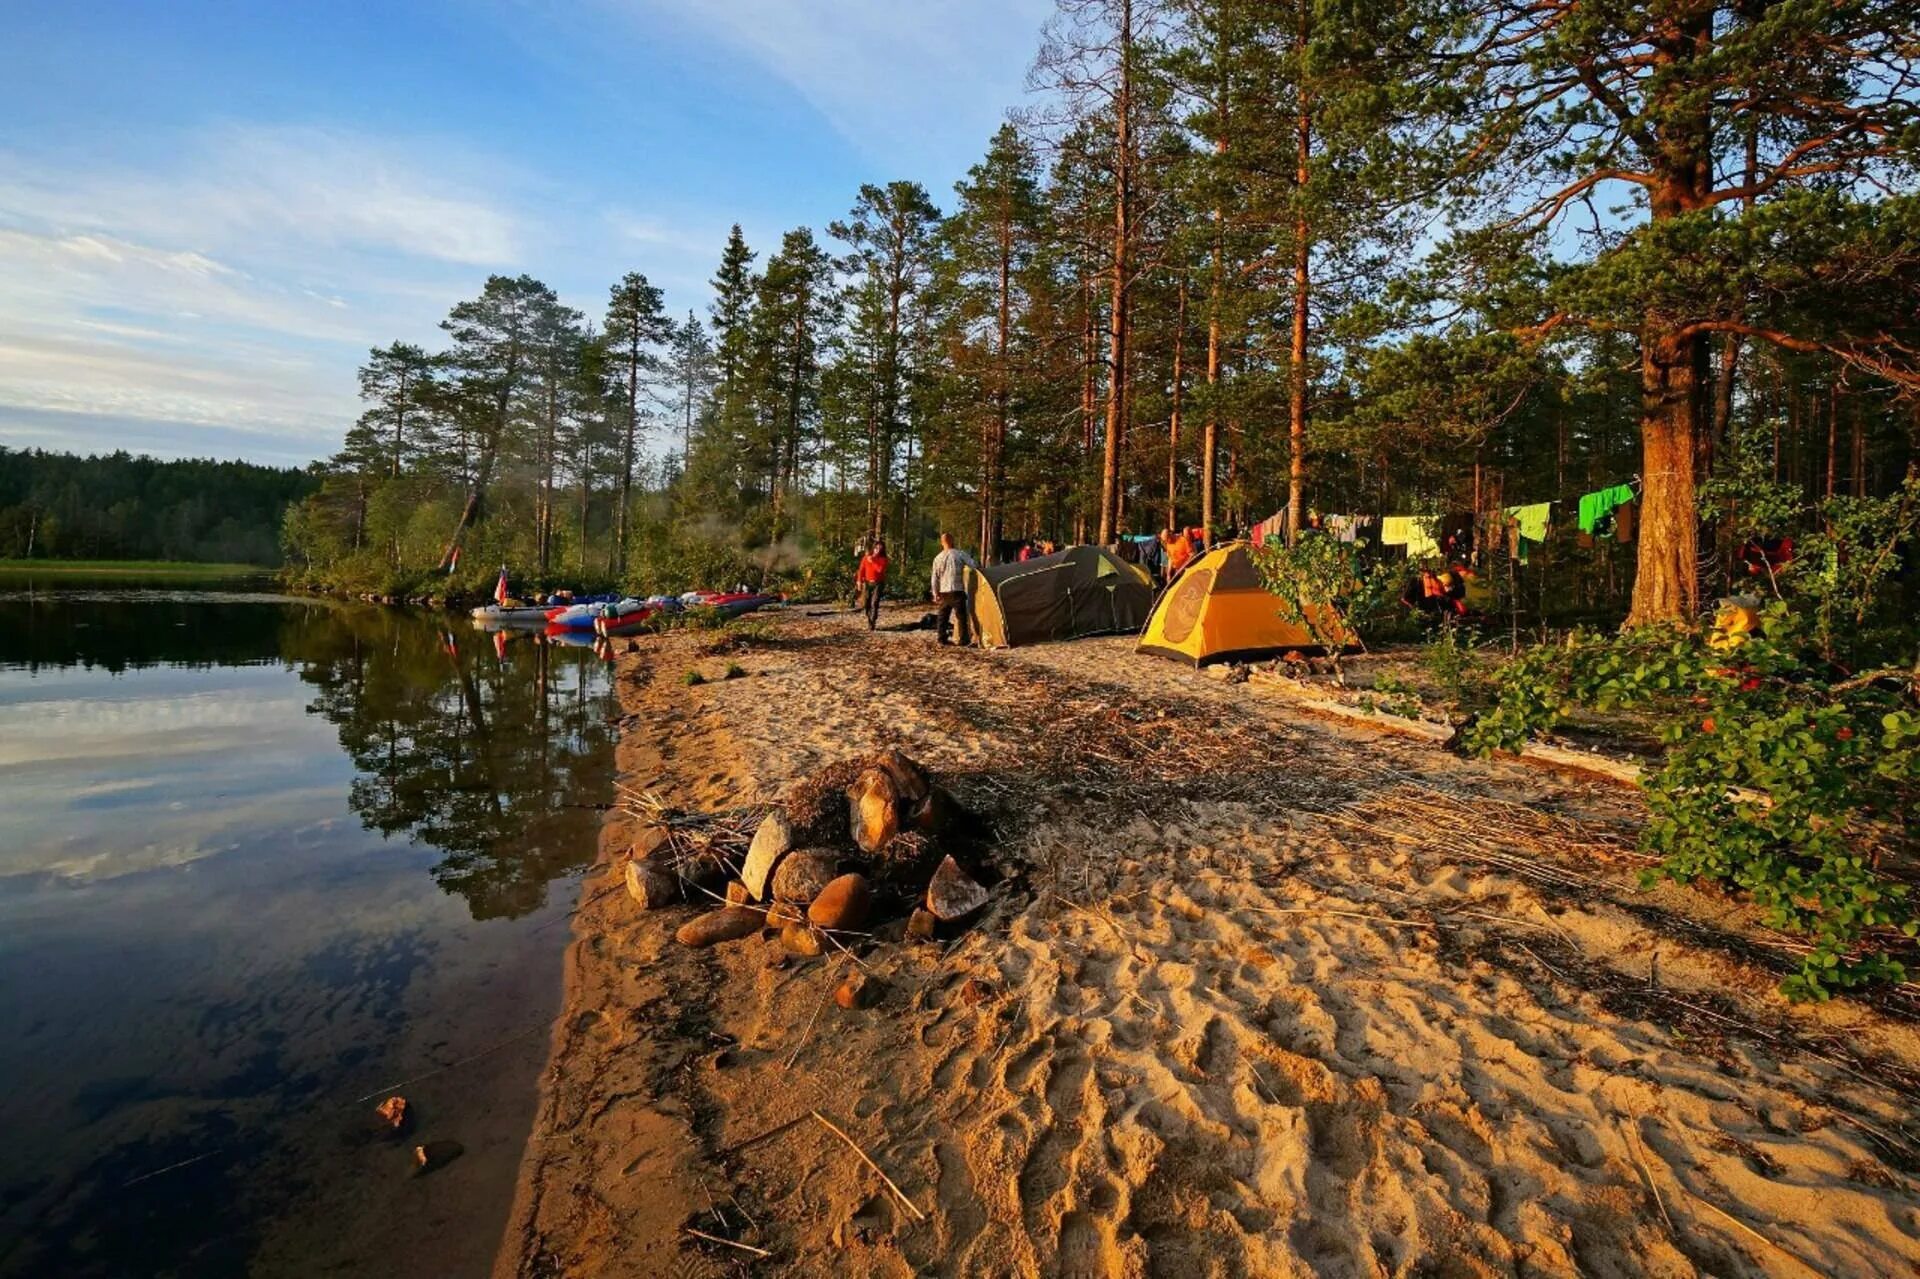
[[236, 284], [901, 80], [273, 187]]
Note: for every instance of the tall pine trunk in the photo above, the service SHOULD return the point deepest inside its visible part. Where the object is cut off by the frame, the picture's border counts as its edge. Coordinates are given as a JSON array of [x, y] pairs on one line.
[[1674, 368], [1173, 417], [1302, 289], [1117, 319]]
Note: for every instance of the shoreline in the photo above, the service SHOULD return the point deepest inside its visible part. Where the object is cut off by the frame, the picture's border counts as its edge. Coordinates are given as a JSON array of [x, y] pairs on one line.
[[1259, 992]]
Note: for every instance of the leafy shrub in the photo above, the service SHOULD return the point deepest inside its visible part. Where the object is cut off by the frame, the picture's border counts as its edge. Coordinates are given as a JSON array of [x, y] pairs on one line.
[[1328, 587], [1780, 779]]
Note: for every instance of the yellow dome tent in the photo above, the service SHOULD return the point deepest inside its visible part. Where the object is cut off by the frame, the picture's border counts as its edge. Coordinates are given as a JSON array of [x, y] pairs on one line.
[[1220, 611]]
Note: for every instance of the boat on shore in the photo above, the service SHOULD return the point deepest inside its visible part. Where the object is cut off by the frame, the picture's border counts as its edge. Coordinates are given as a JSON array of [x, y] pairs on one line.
[[512, 614]]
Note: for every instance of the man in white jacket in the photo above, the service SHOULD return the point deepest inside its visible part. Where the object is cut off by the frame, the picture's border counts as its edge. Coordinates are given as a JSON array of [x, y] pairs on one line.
[[950, 587]]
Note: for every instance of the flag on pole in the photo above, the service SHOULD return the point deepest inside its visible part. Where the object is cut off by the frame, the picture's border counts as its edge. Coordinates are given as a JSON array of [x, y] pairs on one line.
[[500, 595], [453, 562]]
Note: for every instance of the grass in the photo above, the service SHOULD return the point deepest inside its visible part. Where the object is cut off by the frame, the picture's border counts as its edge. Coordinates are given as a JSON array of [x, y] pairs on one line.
[[130, 568]]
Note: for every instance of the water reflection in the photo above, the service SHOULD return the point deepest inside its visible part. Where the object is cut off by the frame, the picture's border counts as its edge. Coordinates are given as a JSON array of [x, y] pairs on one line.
[[473, 751], [256, 859]]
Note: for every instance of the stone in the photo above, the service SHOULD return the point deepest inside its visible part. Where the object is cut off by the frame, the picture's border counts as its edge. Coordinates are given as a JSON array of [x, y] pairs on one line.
[[651, 886], [801, 876], [922, 923], [873, 806], [773, 841], [909, 779], [436, 1154], [393, 1115], [737, 894], [953, 895], [798, 939], [858, 991], [649, 843], [843, 903], [721, 925], [934, 813]]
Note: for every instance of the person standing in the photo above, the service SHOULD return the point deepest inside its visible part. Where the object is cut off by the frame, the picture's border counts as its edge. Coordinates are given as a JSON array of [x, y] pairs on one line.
[[869, 579], [950, 588]]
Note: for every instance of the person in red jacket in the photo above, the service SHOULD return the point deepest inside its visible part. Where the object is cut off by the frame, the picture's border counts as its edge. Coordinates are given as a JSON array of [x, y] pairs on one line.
[[869, 578]]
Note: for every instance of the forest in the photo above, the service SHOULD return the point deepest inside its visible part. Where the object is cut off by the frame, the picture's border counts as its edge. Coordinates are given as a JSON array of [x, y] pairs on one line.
[[115, 506], [1240, 264]]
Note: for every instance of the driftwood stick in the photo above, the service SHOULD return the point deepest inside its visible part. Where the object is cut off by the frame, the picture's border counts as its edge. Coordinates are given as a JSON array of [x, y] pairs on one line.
[[898, 1193], [440, 1070], [826, 993], [1750, 1232], [767, 1135], [1639, 1156], [743, 1247]]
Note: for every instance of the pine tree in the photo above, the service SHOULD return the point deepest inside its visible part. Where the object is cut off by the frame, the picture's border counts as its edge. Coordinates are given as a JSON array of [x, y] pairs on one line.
[[1657, 104], [492, 363], [637, 325], [889, 234], [990, 247]]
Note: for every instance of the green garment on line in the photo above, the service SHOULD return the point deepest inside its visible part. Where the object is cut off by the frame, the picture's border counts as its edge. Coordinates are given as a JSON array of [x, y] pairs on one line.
[[1595, 507], [1532, 520], [1530, 527]]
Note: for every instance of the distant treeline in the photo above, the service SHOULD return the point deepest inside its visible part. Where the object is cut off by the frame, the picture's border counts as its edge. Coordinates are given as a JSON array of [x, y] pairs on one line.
[[59, 506]]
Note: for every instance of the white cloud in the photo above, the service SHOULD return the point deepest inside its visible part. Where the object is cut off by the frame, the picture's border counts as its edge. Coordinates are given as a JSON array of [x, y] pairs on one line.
[[236, 285], [896, 78], [273, 187]]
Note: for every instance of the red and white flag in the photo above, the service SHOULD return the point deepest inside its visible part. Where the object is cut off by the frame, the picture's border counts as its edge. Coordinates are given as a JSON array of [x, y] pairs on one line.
[[500, 595], [453, 562]]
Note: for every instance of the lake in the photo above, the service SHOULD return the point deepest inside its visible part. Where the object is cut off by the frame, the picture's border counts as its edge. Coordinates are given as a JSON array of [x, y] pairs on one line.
[[263, 861]]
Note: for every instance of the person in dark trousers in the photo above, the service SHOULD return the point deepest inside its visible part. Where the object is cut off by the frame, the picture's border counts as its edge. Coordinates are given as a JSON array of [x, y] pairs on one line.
[[869, 579], [950, 588]]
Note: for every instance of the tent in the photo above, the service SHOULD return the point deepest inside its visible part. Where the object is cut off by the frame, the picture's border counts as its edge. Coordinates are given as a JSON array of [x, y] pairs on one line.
[[1083, 590], [1219, 610]]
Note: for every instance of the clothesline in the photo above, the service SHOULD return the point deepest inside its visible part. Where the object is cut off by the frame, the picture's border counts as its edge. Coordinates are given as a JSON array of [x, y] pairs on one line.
[[1428, 536]]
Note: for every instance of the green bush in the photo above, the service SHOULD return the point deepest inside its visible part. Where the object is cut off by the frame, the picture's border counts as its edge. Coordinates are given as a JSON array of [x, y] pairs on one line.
[[1782, 778]]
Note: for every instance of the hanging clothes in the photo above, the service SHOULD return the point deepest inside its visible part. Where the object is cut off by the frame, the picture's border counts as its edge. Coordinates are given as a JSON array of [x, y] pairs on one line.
[[1526, 528], [1345, 528], [1415, 532], [1274, 526], [1532, 520], [1596, 507], [1625, 521]]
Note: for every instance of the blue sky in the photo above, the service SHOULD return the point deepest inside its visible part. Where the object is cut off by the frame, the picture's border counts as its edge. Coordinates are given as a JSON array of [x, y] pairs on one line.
[[209, 211]]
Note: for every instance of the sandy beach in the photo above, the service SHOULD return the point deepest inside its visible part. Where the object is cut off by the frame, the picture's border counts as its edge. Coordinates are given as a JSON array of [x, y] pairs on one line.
[[1257, 993]]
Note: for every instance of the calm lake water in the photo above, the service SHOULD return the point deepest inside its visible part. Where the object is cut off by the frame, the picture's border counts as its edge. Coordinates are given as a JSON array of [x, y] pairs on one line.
[[261, 858]]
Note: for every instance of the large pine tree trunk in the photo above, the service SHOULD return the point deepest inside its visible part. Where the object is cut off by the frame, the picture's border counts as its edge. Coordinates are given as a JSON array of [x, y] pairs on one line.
[[1173, 418], [1117, 318], [1302, 294], [1673, 371]]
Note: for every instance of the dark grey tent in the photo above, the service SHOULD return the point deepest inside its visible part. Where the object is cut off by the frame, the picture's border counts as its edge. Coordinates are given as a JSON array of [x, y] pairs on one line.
[[1083, 590]]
